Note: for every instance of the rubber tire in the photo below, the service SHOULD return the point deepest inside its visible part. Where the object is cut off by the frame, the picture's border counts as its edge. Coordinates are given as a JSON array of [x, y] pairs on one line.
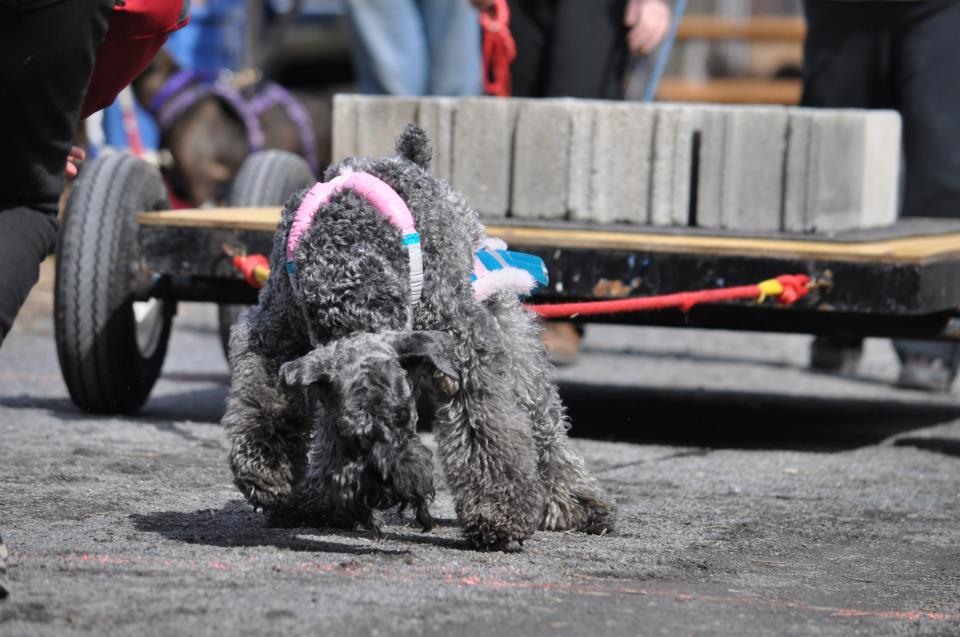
[[97, 253], [267, 178]]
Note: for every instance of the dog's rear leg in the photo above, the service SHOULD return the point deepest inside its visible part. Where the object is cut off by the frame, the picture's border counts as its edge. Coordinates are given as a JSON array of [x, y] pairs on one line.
[[485, 445], [268, 443], [573, 498]]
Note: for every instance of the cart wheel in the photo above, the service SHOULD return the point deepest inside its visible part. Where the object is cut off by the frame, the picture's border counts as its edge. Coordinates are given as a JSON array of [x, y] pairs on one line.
[[110, 347], [267, 178]]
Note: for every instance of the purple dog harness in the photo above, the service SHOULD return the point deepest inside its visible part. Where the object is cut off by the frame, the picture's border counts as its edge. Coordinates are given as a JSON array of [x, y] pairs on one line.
[[186, 88]]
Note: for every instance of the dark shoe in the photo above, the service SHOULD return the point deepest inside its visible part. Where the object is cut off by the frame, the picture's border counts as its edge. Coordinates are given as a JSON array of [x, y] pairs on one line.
[[4, 587], [925, 372], [836, 355], [563, 342]]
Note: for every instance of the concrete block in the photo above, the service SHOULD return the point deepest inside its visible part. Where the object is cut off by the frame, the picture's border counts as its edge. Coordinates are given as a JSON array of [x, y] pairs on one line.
[[842, 169], [541, 164], [741, 169], [435, 116], [710, 169], [482, 148], [676, 131], [620, 154], [380, 120], [344, 143], [580, 157]]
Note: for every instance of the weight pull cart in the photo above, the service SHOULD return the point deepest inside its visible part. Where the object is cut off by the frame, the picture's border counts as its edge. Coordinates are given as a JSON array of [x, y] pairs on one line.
[[125, 261]]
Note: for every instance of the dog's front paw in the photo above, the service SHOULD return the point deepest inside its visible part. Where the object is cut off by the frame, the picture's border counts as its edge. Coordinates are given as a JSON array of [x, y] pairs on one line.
[[262, 485], [483, 542], [507, 546], [493, 528], [590, 512]]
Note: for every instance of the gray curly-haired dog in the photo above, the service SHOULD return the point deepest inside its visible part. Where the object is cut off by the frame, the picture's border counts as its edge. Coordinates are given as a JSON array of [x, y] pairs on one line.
[[321, 412]]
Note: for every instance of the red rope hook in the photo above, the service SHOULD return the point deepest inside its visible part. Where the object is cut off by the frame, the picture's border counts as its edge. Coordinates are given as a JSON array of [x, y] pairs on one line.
[[499, 49]]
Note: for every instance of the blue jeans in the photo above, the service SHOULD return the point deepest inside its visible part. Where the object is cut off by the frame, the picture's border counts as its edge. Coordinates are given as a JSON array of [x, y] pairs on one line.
[[416, 47]]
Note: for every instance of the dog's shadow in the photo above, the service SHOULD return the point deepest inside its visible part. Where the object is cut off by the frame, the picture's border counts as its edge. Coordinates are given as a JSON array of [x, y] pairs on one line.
[[236, 525]]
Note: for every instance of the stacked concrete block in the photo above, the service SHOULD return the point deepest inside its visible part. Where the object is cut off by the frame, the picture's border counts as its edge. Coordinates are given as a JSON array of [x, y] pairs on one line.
[[741, 169], [541, 160], [580, 157], [380, 122], [368, 126], [842, 170], [676, 132], [435, 116], [344, 143], [756, 169], [620, 150], [482, 151]]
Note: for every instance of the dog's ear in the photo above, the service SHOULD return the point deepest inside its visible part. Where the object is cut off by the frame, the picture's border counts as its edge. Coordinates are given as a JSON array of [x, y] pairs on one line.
[[434, 348], [414, 145], [311, 369], [147, 85]]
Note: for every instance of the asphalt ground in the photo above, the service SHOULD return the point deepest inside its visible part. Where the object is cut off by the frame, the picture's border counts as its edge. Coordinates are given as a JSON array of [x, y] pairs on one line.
[[755, 498]]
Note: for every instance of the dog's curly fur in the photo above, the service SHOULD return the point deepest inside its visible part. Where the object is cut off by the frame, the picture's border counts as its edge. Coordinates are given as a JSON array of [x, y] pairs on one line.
[[345, 446]]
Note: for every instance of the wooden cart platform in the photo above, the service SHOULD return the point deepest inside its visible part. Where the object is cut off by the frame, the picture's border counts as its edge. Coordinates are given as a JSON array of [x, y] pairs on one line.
[[903, 280]]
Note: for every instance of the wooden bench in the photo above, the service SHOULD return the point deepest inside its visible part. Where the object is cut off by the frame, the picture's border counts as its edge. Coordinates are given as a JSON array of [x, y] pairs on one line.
[[738, 90]]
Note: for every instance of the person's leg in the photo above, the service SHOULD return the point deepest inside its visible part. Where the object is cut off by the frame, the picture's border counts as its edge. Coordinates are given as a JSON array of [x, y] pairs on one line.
[[26, 238], [530, 22], [847, 55], [46, 59], [390, 46], [928, 49], [587, 54], [846, 65], [928, 52], [453, 40]]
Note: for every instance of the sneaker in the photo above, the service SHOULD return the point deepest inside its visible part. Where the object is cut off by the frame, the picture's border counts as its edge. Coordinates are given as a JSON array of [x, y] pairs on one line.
[[4, 587], [927, 373], [563, 342], [836, 354]]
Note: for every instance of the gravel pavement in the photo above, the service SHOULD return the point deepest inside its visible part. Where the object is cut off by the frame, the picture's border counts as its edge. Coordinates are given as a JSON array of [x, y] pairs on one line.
[[755, 498]]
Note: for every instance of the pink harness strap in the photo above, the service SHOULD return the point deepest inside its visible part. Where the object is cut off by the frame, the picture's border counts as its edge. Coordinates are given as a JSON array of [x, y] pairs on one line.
[[384, 198], [377, 192]]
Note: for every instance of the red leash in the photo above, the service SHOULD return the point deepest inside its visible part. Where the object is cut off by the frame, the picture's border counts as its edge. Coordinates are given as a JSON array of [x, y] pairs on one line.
[[499, 49], [787, 289]]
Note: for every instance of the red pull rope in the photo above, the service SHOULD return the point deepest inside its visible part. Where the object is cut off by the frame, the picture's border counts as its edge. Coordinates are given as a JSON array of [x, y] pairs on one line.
[[787, 289]]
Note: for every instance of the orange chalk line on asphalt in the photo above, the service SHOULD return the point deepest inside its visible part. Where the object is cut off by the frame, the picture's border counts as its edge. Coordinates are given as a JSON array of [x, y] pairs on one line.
[[464, 579]]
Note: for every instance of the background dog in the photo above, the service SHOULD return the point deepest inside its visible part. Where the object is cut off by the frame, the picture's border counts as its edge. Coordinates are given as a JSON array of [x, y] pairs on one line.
[[203, 148]]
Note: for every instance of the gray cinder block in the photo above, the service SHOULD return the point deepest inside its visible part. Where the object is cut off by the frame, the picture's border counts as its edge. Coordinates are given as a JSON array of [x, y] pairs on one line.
[[620, 180], [619, 142], [710, 177], [435, 116], [676, 128], [482, 148], [842, 169], [580, 157], [541, 153], [344, 142], [380, 120], [741, 169]]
